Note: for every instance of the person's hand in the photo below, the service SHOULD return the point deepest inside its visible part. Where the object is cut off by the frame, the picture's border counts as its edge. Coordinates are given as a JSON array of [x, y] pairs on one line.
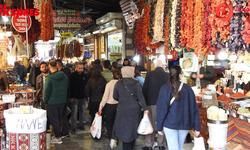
[[145, 112], [197, 133], [160, 133], [200, 76], [100, 110], [194, 76], [71, 100]]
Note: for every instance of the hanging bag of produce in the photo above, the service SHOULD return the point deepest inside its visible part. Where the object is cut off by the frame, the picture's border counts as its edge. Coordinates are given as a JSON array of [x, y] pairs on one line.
[[189, 62]]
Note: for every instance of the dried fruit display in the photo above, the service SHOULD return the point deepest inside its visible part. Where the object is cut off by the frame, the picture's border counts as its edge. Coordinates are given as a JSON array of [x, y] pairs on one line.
[[47, 29]]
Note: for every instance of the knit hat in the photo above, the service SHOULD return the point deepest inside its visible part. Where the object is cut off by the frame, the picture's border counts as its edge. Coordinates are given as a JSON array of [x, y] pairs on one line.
[[128, 72]]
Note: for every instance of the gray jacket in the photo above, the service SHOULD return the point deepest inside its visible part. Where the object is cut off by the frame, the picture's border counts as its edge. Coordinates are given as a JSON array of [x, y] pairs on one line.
[[129, 113]]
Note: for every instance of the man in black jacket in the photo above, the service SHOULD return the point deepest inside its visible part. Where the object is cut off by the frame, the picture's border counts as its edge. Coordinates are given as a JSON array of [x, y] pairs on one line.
[[140, 68], [78, 80], [152, 85]]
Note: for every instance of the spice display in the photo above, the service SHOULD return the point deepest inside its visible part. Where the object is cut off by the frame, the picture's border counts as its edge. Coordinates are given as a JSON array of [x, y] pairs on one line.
[[223, 97], [228, 90], [47, 29], [243, 110], [238, 95], [232, 145], [231, 107]]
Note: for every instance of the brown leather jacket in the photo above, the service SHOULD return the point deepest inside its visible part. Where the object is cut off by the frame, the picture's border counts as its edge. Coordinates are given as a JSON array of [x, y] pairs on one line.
[[3, 81]]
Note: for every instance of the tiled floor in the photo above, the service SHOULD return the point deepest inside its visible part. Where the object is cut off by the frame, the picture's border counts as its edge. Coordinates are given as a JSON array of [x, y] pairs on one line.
[[82, 140]]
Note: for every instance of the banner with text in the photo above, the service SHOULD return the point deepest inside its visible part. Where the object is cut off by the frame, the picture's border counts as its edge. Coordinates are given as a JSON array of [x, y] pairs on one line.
[[70, 19]]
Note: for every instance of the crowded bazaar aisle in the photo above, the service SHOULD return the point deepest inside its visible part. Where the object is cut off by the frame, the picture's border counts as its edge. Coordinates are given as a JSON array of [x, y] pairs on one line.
[[82, 140]]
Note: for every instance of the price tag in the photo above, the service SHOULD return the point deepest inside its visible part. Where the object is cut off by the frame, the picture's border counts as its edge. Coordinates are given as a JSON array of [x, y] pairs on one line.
[[248, 119], [228, 112], [242, 117], [228, 95], [234, 115], [211, 57], [170, 56], [207, 97]]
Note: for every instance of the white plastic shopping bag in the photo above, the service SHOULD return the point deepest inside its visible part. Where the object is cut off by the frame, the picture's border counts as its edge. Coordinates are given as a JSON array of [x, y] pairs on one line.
[[199, 143], [96, 127], [145, 126]]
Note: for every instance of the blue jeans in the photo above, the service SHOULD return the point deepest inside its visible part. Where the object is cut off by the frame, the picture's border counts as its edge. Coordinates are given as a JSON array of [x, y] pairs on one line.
[[175, 138], [81, 104]]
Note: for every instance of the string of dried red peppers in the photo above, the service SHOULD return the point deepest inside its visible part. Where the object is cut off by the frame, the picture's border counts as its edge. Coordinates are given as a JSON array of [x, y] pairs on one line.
[[47, 29], [198, 22], [187, 23]]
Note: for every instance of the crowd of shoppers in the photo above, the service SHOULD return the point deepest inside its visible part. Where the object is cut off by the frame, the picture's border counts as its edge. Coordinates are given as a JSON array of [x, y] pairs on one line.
[[119, 92]]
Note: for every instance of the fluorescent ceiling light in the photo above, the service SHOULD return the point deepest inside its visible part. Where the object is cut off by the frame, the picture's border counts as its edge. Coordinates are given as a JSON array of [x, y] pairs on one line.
[[96, 32], [5, 19]]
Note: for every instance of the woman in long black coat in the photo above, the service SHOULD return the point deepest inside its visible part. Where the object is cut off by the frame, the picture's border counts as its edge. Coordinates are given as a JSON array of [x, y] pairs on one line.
[[129, 113]]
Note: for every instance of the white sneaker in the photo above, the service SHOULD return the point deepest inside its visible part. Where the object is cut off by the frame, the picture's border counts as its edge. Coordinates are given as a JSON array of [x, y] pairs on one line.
[[56, 141], [113, 143]]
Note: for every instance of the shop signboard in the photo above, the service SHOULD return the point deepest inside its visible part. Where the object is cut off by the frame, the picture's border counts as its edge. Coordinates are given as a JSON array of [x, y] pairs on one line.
[[4, 41], [70, 19], [19, 23], [66, 35]]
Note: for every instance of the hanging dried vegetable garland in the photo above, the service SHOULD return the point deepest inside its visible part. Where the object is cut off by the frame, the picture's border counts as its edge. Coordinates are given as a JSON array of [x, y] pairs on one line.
[[47, 29], [152, 18], [173, 23], [198, 22], [246, 32], [166, 35], [158, 24], [220, 29], [78, 51], [187, 23], [206, 28], [178, 24]]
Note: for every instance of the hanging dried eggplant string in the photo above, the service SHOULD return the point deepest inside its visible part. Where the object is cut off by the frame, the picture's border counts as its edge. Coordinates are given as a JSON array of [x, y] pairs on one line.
[[166, 9], [178, 25], [152, 19], [183, 22], [236, 41]]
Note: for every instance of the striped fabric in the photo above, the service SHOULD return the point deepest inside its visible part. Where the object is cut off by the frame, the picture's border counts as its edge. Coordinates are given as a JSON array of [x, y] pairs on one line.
[[203, 120], [239, 131]]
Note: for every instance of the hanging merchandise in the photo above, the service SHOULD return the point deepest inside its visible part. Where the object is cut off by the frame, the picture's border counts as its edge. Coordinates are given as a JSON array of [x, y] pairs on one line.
[[18, 48], [59, 48], [35, 30], [166, 30], [38, 5], [187, 23], [173, 23], [207, 29], [246, 32], [177, 25], [158, 24], [47, 29], [189, 61], [198, 22], [220, 28], [152, 18], [77, 48], [174, 53]]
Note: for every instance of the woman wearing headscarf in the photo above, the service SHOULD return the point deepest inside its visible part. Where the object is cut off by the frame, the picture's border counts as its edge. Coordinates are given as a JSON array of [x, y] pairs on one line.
[[179, 115], [130, 99]]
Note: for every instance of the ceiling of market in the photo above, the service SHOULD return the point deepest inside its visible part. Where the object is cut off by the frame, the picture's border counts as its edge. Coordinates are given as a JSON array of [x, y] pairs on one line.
[[98, 7]]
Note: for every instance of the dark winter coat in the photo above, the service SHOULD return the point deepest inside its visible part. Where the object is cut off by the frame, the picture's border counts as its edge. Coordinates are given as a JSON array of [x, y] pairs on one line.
[[183, 114], [95, 93], [153, 83], [21, 70], [208, 75], [3, 81], [55, 91], [129, 113], [77, 85]]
